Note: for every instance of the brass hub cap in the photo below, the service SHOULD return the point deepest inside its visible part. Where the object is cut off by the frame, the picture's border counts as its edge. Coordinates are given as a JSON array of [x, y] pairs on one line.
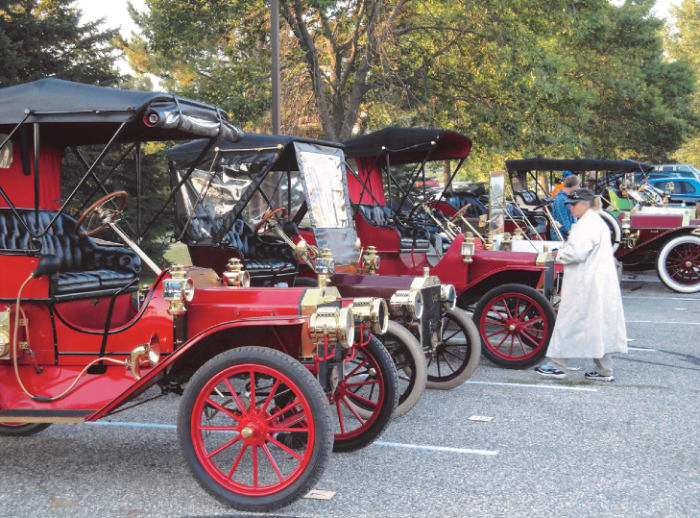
[[511, 327], [247, 432], [688, 264]]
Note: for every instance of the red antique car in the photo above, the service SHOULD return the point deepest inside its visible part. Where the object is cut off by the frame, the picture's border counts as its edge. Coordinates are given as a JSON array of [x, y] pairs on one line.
[[509, 292], [646, 233], [261, 370], [272, 202]]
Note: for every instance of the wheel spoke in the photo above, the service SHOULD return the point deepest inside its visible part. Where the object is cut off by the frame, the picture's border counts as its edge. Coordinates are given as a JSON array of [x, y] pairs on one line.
[[253, 404], [519, 317], [494, 323], [364, 362], [223, 409], [236, 462], [283, 410], [512, 340], [360, 383], [224, 446], [340, 416], [288, 429], [528, 323], [234, 395], [448, 362], [272, 461], [444, 340], [504, 339], [357, 416], [269, 397], [496, 333], [363, 399], [284, 447]]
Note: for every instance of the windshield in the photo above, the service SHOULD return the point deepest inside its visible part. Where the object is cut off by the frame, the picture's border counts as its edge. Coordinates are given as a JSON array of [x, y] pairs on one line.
[[326, 191]]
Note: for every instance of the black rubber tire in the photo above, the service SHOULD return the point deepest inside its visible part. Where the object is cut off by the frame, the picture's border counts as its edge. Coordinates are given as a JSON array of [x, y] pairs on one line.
[[318, 404], [22, 430], [471, 358], [384, 412], [548, 315]]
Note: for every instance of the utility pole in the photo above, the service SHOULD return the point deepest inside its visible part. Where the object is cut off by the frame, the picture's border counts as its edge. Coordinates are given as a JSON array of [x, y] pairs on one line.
[[275, 38]]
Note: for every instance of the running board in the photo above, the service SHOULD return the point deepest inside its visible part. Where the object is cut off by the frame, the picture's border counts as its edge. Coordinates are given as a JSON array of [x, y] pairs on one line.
[[44, 416]]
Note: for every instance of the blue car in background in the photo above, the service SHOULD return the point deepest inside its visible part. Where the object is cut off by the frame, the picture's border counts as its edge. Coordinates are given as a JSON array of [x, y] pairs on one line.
[[678, 189]]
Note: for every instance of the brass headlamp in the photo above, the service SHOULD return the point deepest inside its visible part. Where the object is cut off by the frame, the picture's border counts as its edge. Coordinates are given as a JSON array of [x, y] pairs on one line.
[[178, 290], [371, 312], [448, 297], [629, 239], [370, 261], [336, 324], [468, 248], [407, 304], [234, 275]]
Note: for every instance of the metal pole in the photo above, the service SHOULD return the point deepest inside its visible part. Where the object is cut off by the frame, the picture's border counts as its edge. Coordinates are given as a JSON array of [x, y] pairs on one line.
[[275, 39]]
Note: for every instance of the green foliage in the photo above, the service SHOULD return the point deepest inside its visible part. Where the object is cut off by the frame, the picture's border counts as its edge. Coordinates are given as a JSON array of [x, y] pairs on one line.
[[683, 45], [42, 38]]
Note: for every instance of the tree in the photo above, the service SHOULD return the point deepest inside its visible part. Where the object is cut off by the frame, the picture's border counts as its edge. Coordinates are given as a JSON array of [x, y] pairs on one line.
[[683, 45], [42, 38]]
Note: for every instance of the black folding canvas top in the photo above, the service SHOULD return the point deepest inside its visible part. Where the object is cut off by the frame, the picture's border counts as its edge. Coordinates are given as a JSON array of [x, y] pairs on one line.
[[75, 113]]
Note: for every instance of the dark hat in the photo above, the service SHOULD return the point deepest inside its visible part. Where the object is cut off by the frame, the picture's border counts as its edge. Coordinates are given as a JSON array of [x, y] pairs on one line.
[[578, 195]]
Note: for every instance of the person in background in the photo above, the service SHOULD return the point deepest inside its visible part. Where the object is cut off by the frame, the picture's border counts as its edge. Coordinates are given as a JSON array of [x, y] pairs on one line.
[[590, 322], [560, 185], [560, 209]]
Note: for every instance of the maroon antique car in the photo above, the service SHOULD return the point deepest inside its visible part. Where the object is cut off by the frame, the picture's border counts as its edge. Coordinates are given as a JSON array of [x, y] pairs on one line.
[[646, 233], [269, 376], [509, 292], [254, 199]]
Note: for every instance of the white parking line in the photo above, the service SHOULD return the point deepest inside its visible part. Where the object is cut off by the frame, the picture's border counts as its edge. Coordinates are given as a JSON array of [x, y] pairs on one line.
[[428, 447], [645, 349], [663, 322], [434, 448], [533, 385]]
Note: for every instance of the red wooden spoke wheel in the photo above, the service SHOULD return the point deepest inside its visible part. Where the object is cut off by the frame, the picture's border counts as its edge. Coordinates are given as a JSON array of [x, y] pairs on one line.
[[515, 323], [236, 417], [371, 382], [678, 264], [22, 429]]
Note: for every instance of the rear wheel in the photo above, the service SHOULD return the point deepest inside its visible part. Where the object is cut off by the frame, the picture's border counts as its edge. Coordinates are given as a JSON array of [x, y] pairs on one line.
[[233, 416], [457, 353], [515, 323], [614, 227], [370, 381], [22, 429], [678, 264], [409, 360]]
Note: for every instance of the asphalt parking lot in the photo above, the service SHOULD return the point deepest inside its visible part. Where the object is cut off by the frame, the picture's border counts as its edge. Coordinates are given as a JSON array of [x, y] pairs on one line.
[[553, 448]]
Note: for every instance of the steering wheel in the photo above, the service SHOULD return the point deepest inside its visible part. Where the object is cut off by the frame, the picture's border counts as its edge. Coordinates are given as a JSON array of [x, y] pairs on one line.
[[104, 215], [269, 214], [460, 212]]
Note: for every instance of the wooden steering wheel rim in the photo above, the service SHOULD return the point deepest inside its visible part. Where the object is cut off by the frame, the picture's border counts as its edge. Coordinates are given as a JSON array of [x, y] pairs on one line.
[[107, 197], [460, 212], [269, 214]]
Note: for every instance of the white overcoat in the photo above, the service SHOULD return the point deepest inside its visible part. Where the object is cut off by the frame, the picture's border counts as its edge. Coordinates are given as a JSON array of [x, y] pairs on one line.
[[590, 322]]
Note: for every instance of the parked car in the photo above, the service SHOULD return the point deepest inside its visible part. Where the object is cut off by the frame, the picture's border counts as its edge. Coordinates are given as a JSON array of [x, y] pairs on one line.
[[257, 368], [682, 170], [678, 190]]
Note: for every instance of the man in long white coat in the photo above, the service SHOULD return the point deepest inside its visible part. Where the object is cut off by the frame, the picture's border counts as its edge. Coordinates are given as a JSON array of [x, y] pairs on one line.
[[590, 323]]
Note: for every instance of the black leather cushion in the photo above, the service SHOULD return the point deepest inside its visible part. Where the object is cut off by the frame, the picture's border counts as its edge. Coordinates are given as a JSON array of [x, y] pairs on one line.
[[263, 256], [83, 266], [407, 243]]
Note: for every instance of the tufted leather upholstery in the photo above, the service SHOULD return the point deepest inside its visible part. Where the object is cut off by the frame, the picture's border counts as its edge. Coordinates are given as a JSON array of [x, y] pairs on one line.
[[82, 266], [263, 256], [381, 216], [476, 209]]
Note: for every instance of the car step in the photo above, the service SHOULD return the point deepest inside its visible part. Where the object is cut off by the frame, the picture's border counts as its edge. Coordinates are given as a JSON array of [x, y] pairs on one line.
[[24, 415]]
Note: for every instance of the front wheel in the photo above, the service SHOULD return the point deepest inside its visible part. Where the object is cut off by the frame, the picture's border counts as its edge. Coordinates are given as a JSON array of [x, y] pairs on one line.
[[515, 323], [678, 264], [457, 354], [370, 381], [254, 426], [22, 429]]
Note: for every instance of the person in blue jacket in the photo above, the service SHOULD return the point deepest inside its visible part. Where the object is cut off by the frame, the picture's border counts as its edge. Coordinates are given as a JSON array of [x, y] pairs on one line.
[[561, 211]]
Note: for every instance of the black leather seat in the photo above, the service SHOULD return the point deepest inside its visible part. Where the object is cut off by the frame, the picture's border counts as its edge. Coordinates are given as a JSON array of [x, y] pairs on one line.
[[380, 216], [266, 258], [79, 266]]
